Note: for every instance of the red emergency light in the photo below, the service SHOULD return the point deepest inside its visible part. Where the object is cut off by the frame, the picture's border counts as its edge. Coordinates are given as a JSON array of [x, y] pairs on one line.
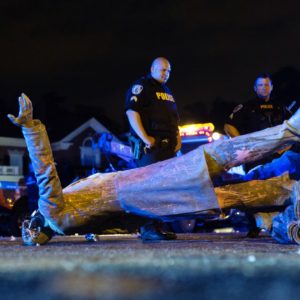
[[197, 129]]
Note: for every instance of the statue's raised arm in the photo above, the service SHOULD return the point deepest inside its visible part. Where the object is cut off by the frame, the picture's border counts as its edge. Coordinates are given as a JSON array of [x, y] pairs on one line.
[[24, 119]]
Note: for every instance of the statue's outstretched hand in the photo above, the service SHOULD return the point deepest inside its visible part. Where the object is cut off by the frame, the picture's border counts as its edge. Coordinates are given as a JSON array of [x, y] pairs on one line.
[[24, 118]]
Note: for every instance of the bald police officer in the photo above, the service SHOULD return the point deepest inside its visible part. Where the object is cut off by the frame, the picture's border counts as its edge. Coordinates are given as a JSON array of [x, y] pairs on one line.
[[153, 117], [152, 113]]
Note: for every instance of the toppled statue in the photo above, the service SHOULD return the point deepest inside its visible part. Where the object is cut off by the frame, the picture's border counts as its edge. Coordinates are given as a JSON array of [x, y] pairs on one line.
[[168, 190]]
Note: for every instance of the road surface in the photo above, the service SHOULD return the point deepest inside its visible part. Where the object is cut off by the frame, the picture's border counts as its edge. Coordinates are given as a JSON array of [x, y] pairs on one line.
[[195, 266]]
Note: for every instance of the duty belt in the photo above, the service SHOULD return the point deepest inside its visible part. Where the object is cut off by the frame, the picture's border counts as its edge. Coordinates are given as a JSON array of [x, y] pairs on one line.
[[138, 147], [162, 142]]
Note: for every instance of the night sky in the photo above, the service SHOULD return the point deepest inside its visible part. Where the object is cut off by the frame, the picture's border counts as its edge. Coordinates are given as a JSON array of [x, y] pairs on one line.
[[89, 52]]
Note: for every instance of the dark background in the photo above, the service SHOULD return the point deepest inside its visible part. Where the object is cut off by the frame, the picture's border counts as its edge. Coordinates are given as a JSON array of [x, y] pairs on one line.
[[76, 59]]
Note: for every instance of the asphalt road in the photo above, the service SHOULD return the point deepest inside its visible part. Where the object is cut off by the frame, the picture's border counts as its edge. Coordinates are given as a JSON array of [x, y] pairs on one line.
[[195, 266]]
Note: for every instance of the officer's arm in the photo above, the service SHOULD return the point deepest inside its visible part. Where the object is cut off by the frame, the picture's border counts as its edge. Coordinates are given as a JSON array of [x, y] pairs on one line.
[[235, 121], [178, 145], [231, 131], [137, 125]]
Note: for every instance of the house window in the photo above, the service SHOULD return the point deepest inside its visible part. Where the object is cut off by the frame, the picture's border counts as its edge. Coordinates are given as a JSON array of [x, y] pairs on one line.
[[90, 154], [16, 159]]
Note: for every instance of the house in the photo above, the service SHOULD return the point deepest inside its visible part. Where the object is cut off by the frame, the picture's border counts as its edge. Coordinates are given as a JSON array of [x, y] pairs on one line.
[[90, 147]]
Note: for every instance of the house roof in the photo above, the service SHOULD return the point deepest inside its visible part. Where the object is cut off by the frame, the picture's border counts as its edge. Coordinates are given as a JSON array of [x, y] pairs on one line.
[[92, 123], [12, 142]]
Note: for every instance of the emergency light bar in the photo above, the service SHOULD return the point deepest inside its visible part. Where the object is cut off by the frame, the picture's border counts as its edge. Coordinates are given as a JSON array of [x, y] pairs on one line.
[[197, 129]]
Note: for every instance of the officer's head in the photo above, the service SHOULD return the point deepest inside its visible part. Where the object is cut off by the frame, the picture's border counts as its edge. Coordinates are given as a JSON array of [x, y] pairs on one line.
[[160, 69], [263, 86]]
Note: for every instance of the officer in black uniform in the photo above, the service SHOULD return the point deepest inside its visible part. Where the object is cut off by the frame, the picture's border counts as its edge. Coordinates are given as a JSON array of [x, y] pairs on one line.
[[152, 113], [153, 116], [257, 114]]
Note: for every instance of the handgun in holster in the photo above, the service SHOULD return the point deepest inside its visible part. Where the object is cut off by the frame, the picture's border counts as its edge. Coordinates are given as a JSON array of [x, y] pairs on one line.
[[137, 147]]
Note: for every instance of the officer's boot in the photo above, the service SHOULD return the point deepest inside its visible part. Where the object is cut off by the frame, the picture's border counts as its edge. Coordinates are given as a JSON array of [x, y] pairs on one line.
[[153, 231]]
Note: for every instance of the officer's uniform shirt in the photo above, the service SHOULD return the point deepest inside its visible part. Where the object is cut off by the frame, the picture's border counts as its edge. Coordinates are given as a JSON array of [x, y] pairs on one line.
[[256, 115], [157, 107]]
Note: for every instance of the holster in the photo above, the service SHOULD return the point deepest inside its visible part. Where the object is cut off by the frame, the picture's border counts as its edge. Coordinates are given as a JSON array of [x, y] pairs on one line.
[[137, 146]]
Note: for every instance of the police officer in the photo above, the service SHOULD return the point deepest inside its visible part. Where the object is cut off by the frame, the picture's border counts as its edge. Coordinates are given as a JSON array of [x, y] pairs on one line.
[[257, 114], [152, 113]]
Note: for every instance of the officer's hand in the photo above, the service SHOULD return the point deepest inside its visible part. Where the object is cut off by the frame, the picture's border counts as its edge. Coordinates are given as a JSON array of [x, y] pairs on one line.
[[149, 141], [24, 118]]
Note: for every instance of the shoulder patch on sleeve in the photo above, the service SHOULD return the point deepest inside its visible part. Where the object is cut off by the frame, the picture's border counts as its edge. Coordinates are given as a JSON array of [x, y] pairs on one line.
[[137, 89], [134, 98]]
